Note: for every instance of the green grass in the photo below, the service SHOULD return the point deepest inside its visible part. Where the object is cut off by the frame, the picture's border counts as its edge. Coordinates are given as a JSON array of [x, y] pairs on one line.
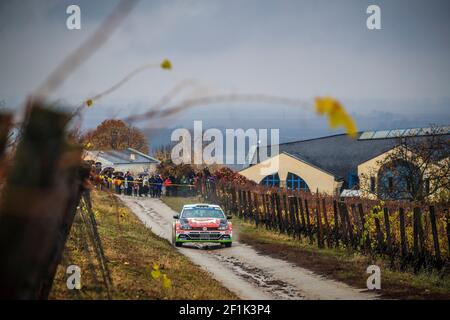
[[335, 263], [131, 250]]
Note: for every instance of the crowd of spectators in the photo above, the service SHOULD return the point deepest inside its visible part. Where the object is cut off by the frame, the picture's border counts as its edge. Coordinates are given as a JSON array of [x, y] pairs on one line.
[[148, 185]]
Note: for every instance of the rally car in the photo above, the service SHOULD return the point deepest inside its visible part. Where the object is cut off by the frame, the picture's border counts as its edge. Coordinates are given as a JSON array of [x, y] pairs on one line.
[[202, 223]]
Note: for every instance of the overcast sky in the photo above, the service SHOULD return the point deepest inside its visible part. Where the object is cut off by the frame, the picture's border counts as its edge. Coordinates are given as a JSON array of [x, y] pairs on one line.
[[297, 49]]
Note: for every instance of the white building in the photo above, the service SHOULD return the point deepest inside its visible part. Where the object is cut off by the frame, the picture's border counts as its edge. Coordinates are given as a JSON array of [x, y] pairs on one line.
[[124, 160]]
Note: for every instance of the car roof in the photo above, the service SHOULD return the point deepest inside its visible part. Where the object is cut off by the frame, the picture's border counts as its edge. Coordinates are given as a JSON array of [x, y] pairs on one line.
[[200, 205]]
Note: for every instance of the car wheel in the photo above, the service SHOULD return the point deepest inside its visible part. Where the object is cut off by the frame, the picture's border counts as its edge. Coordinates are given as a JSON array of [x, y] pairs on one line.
[[228, 244], [178, 244], [174, 241]]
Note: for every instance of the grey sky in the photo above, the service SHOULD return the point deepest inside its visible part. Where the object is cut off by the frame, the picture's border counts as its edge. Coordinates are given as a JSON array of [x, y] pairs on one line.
[[297, 49]]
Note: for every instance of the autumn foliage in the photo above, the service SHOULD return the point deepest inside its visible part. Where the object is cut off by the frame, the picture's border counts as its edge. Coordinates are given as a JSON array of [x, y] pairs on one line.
[[225, 174], [115, 135]]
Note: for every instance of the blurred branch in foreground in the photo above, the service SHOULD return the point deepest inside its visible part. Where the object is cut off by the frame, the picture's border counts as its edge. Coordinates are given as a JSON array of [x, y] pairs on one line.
[[165, 64], [87, 49]]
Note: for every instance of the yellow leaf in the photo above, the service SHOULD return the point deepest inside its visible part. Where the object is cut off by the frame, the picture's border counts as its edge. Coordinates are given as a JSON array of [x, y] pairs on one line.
[[166, 281], [89, 102], [155, 272], [166, 64], [337, 115], [325, 105]]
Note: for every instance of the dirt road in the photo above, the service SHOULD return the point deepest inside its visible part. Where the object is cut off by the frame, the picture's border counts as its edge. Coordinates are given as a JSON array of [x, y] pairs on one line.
[[240, 268]]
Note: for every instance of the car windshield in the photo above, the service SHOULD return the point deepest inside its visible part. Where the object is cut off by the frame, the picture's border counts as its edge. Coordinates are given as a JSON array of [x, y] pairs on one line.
[[206, 212]]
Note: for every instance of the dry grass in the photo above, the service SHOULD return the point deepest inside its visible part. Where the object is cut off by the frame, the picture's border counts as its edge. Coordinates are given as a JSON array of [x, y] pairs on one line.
[[130, 249]]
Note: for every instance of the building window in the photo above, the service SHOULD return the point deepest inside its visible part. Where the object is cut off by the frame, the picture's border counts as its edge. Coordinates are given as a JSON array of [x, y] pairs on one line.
[[296, 183], [372, 184], [271, 180], [398, 179], [353, 180]]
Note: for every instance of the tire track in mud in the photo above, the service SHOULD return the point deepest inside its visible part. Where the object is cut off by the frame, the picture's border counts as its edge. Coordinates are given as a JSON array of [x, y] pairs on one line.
[[276, 287]]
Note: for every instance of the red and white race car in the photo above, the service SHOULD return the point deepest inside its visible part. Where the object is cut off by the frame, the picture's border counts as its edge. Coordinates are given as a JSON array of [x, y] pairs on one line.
[[202, 223]]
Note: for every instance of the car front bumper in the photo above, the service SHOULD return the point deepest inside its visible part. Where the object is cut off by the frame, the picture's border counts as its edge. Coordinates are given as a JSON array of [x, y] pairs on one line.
[[204, 236]]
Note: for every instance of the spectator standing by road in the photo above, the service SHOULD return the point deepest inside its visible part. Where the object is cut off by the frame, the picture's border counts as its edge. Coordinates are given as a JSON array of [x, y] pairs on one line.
[[167, 184], [159, 185], [145, 186], [140, 186], [129, 181]]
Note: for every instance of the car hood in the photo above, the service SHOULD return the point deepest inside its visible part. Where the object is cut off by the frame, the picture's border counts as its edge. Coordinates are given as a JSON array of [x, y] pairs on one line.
[[203, 222]]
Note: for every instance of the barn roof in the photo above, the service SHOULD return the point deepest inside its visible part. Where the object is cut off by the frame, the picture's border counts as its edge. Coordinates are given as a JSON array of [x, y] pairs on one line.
[[341, 154], [125, 156]]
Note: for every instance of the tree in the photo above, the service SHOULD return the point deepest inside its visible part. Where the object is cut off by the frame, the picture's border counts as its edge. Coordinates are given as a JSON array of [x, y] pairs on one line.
[[115, 135]]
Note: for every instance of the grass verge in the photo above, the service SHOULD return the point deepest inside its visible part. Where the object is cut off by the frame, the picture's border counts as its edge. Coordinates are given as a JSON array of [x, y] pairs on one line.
[[131, 250], [338, 264]]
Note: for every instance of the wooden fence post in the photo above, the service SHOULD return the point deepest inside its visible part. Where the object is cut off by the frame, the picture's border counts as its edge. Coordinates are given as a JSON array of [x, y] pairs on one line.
[[273, 208], [284, 211], [265, 198], [418, 232], [244, 205], [344, 223], [380, 236], [233, 201], [279, 212], [256, 214], [297, 216], [358, 224], [356, 219], [292, 214], [419, 245], [336, 223], [387, 225], [327, 225], [308, 223], [364, 230], [227, 192], [240, 204], [302, 215], [437, 251], [250, 211], [319, 222], [288, 226], [47, 174], [403, 243]]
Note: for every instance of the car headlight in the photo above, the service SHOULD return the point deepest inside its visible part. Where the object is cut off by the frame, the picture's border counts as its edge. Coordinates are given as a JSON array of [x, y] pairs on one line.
[[184, 224], [223, 226]]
